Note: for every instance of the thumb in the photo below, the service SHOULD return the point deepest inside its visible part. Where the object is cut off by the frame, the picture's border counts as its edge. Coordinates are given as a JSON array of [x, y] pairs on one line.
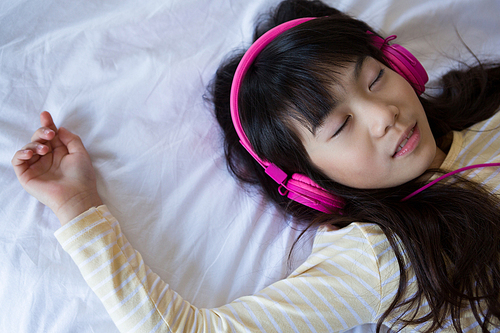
[[71, 141]]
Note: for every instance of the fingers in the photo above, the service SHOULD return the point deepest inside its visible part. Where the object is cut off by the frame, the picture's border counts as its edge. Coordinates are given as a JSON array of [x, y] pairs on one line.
[[48, 132], [43, 134], [37, 148], [23, 159], [22, 156], [46, 121], [29, 153], [71, 141]]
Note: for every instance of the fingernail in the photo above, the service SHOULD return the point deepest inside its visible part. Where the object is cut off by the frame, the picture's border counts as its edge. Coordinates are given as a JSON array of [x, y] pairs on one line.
[[48, 131]]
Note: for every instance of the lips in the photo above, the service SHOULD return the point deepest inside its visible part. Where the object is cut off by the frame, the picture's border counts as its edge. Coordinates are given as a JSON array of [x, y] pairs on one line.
[[405, 140], [408, 142]]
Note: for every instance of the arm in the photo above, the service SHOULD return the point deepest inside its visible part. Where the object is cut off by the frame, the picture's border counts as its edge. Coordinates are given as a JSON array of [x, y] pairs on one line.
[[323, 295]]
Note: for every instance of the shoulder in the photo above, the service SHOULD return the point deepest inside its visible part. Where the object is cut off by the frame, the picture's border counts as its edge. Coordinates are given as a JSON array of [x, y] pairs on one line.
[[358, 257], [365, 239], [476, 145], [344, 268], [359, 244], [483, 130]]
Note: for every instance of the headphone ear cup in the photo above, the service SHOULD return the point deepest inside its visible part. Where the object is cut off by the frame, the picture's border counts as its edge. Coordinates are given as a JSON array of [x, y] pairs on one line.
[[304, 190], [406, 65], [402, 62]]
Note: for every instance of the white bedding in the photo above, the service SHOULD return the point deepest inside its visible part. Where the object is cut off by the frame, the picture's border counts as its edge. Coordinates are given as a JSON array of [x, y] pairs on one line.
[[129, 78]]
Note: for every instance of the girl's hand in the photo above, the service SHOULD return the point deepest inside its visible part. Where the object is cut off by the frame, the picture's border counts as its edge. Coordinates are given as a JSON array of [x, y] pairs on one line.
[[56, 169]]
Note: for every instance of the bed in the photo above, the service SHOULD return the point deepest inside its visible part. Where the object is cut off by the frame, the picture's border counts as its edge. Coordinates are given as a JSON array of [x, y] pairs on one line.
[[130, 78]]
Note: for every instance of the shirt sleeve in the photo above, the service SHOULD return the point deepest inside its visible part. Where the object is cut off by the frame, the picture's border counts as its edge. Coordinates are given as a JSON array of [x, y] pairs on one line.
[[336, 288]]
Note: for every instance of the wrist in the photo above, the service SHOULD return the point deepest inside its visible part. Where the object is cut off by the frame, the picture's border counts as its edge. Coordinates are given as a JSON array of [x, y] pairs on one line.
[[77, 205]]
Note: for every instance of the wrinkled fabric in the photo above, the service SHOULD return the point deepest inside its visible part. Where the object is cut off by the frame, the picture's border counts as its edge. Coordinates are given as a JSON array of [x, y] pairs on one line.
[[130, 78]]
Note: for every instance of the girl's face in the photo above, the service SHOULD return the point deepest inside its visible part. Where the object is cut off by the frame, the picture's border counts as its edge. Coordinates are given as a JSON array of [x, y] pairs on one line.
[[377, 136]]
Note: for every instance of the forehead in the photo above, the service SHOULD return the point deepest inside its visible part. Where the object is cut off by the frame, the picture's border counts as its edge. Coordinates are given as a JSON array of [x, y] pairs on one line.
[[341, 79], [345, 77]]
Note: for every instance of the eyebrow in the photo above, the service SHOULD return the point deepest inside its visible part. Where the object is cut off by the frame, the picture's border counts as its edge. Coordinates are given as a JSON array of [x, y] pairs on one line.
[[358, 67]]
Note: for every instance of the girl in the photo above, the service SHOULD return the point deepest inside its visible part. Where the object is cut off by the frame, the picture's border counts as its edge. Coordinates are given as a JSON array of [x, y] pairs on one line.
[[322, 98]]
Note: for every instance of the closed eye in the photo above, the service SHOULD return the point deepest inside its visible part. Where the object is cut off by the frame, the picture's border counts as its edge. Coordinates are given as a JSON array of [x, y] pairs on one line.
[[379, 76], [343, 126]]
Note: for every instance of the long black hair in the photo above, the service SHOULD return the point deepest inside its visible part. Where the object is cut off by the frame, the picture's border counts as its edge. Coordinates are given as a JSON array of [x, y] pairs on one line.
[[450, 233]]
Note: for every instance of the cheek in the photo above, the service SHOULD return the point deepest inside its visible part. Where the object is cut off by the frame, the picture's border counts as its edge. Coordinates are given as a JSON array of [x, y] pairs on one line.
[[355, 166]]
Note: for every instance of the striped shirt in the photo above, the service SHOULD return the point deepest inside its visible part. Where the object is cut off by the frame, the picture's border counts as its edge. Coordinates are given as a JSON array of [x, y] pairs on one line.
[[349, 279]]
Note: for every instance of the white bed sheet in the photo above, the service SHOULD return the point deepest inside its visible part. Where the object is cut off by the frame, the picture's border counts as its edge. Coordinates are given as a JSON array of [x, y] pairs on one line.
[[129, 78]]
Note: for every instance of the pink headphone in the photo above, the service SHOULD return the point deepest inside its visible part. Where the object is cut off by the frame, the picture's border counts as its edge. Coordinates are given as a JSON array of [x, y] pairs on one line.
[[301, 188]]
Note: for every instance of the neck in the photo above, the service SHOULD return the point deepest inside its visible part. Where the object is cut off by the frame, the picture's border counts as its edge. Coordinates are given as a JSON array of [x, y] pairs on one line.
[[438, 159], [436, 163]]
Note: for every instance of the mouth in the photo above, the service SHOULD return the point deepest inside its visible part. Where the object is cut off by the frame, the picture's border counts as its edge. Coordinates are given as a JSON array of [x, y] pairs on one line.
[[408, 142]]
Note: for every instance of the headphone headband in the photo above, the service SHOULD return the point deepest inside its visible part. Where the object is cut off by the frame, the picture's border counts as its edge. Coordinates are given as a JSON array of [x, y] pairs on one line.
[[245, 63]]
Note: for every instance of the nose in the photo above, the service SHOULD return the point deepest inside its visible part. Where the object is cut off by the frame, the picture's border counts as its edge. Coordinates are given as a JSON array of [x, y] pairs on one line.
[[381, 117]]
